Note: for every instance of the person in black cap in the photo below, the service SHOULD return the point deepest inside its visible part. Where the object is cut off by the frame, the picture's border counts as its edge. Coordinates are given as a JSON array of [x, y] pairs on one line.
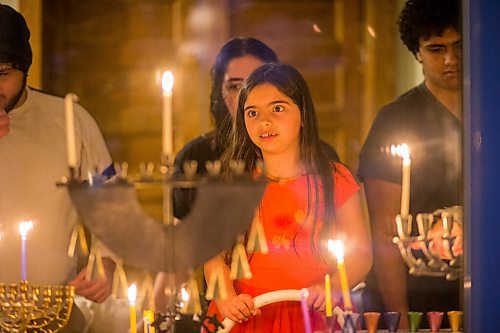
[[34, 158], [16, 51]]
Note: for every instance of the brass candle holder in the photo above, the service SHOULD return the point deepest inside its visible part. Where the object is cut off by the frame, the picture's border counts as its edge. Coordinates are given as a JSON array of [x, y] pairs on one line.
[[33, 308]]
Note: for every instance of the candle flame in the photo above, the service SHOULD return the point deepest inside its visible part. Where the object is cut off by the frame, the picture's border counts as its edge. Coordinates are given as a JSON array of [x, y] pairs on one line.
[[132, 293], [24, 227], [405, 151], [337, 248], [167, 81], [91, 178], [184, 294], [371, 31], [393, 150], [401, 150]]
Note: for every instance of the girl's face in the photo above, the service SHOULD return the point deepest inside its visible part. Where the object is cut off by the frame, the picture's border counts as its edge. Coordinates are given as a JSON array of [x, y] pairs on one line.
[[272, 120]]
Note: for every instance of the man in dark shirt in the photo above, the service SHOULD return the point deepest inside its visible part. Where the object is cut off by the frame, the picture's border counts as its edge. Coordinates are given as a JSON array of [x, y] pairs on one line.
[[428, 119]]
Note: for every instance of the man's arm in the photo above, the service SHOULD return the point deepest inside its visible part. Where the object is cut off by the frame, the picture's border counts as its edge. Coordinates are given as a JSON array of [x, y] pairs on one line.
[[4, 124], [99, 289], [384, 200]]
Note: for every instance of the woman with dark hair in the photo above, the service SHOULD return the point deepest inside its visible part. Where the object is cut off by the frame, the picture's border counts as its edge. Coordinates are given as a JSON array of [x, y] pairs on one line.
[[310, 198], [235, 61]]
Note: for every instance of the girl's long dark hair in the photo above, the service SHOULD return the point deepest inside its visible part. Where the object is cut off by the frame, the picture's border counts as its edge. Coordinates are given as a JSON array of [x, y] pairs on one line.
[[291, 83]]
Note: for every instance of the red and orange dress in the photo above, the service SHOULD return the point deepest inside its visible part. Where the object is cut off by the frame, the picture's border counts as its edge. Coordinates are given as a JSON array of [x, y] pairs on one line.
[[291, 262]]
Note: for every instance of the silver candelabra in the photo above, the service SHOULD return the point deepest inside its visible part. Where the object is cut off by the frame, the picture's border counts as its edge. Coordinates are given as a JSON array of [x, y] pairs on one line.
[[429, 263]]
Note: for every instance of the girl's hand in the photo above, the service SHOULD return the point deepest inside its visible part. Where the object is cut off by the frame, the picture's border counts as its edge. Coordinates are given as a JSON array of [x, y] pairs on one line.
[[317, 300], [238, 308]]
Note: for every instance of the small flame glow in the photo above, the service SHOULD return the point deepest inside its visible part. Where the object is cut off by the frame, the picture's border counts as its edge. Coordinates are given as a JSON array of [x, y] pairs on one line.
[[371, 31], [405, 151], [337, 248], [132, 294], [167, 82], [401, 150], [184, 295], [316, 28], [24, 227]]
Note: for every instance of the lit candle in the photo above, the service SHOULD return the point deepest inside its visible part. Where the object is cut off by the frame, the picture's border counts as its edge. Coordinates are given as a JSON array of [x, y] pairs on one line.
[[304, 293], [328, 295], [405, 182], [24, 227], [337, 247], [69, 99], [132, 294], [167, 83], [149, 318]]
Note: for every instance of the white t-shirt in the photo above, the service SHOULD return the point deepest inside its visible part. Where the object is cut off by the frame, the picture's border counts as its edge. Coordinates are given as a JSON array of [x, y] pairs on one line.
[[33, 159]]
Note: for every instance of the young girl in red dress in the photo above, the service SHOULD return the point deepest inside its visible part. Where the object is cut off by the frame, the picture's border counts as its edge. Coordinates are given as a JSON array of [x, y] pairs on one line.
[[308, 200]]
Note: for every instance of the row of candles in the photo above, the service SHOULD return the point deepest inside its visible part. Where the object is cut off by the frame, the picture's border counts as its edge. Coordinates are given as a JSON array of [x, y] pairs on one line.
[[334, 246], [167, 131]]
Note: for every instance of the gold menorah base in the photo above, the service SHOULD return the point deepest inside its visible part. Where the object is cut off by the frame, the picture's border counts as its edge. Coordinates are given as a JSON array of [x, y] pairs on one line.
[[25, 308]]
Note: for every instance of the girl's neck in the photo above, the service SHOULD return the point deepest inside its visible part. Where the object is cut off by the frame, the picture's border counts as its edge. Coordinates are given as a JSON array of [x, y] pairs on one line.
[[283, 167]]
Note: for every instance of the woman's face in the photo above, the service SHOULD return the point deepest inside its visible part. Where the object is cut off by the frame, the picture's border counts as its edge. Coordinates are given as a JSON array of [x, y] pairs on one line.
[[238, 69]]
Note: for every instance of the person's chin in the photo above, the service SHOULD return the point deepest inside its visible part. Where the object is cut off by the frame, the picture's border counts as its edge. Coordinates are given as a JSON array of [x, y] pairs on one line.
[[453, 83]]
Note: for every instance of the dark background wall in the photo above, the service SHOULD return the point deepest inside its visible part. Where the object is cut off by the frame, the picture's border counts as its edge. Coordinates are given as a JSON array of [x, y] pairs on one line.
[[111, 54]]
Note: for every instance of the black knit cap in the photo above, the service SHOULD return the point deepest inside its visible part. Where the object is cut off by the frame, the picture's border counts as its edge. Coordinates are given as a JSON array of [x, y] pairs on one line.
[[14, 39]]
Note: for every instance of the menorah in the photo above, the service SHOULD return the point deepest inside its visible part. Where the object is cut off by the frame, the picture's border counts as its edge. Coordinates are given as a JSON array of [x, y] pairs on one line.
[[114, 215], [430, 263], [32, 308]]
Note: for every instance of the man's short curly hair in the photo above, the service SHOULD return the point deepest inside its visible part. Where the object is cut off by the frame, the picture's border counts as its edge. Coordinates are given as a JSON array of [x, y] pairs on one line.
[[426, 18]]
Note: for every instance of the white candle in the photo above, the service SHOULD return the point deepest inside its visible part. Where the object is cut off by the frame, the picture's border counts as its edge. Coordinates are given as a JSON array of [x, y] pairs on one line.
[[24, 227], [167, 82], [132, 294], [405, 181], [69, 99]]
